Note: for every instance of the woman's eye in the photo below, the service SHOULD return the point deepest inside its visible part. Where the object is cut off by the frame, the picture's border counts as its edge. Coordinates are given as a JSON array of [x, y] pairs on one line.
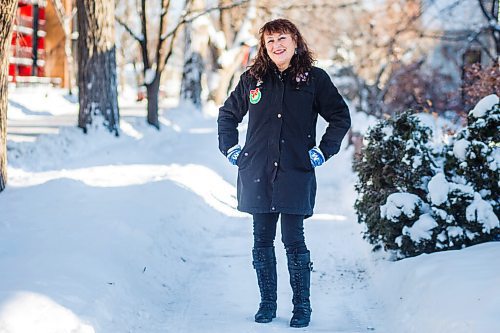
[[269, 41]]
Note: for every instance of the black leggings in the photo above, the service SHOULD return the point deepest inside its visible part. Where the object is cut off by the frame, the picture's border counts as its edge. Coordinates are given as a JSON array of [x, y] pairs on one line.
[[292, 231]]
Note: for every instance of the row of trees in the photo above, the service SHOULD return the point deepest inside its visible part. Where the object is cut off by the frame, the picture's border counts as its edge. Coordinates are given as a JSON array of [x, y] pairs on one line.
[[155, 33], [382, 44], [96, 53]]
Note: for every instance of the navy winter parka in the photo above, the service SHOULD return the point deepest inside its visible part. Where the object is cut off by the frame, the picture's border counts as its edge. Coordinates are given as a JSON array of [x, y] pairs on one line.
[[274, 170]]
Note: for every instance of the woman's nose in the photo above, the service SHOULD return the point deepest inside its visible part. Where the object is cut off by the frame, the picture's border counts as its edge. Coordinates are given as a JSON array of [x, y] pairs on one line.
[[277, 43]]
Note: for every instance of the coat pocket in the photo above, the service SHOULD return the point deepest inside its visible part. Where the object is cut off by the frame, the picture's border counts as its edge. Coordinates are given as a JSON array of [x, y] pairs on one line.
[[307, 162], [244, 159]]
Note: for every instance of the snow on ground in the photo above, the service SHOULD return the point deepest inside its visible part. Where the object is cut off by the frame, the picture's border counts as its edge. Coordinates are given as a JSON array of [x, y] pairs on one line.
[[140, 234], [452, 291]]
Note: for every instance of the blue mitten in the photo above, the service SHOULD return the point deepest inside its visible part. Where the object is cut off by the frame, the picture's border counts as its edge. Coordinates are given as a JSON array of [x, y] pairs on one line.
[[233, 153], [316, 157]]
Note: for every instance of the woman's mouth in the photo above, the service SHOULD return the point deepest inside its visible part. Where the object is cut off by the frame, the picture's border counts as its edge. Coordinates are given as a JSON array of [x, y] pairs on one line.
[[279, 52]]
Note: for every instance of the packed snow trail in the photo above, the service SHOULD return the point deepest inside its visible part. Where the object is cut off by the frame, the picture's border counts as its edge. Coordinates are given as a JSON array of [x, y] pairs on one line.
[[140, 234], [221, 293]]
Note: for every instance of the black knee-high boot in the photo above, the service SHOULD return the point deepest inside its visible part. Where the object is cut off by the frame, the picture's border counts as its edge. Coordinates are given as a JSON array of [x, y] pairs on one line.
[[264, 262], [299, 267]]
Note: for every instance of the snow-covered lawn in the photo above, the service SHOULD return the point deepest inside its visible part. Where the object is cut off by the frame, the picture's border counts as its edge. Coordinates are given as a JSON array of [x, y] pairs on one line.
[[140, 234]]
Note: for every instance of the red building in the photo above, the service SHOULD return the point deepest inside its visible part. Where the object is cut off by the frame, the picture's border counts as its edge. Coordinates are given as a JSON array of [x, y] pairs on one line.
[[42, 42], [27, 58]]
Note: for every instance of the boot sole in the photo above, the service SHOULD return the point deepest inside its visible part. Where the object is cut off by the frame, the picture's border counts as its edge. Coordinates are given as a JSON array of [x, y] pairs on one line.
[[262, 321], [299, 326], [265, 321]]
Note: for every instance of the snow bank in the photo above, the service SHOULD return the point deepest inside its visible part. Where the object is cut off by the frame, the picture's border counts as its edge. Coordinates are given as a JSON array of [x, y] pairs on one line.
[[452, 291], [42, 101], [103, 234], [31, 312]]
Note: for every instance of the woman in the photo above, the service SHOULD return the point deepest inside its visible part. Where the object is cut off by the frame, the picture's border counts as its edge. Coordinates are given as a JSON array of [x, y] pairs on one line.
[[283, 94]]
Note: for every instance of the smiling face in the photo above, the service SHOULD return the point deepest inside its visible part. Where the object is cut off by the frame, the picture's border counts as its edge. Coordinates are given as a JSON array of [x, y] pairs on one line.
[[280, 48]]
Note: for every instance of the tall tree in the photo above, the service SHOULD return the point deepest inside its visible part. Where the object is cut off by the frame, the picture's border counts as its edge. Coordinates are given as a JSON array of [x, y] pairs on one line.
[[7, 10], [162, 45], [97, 81]]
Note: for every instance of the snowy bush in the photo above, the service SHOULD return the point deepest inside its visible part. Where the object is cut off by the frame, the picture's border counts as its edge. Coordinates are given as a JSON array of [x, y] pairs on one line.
[[463, 217], [415, 200], [393, 172], [473, 156], [472, 161]]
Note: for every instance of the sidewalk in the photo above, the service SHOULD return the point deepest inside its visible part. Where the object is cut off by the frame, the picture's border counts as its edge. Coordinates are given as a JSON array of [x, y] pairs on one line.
[[25, 123]]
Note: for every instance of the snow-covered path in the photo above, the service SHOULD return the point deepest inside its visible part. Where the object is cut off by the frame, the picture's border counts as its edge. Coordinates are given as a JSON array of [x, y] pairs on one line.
[[140, 234], [221, 293]]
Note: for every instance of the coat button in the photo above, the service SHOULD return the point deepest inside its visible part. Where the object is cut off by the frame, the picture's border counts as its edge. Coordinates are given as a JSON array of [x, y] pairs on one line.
[[275, 164], [273, 208], [246, 154], [282, 141], [279, 115], [308, 135]]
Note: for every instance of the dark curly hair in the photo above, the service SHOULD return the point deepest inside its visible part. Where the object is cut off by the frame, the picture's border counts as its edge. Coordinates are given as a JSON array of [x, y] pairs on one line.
[[300, 63]]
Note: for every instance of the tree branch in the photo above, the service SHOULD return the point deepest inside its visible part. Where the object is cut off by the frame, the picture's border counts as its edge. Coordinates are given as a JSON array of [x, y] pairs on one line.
[[185, 19], [165, 5], [319, 6], [485, 11], [127, 29], [144, 41], [171, 45]]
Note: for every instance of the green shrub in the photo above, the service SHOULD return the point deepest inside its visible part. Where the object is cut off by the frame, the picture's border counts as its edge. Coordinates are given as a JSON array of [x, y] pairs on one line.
[[413, 200]]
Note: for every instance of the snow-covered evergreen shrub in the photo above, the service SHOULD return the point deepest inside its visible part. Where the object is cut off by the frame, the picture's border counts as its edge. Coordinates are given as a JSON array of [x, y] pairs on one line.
[[473, 156], [393, 172], [413, 201], [463, 217], [472, 163]]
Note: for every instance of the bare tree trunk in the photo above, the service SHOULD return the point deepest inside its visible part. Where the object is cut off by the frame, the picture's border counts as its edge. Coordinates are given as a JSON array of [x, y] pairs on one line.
[[97, 64], [7, 11], [152, 91]]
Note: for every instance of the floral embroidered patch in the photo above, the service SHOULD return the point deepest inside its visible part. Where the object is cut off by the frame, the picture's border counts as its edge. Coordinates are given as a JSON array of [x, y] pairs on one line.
[[255, 96], [302, 77]]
